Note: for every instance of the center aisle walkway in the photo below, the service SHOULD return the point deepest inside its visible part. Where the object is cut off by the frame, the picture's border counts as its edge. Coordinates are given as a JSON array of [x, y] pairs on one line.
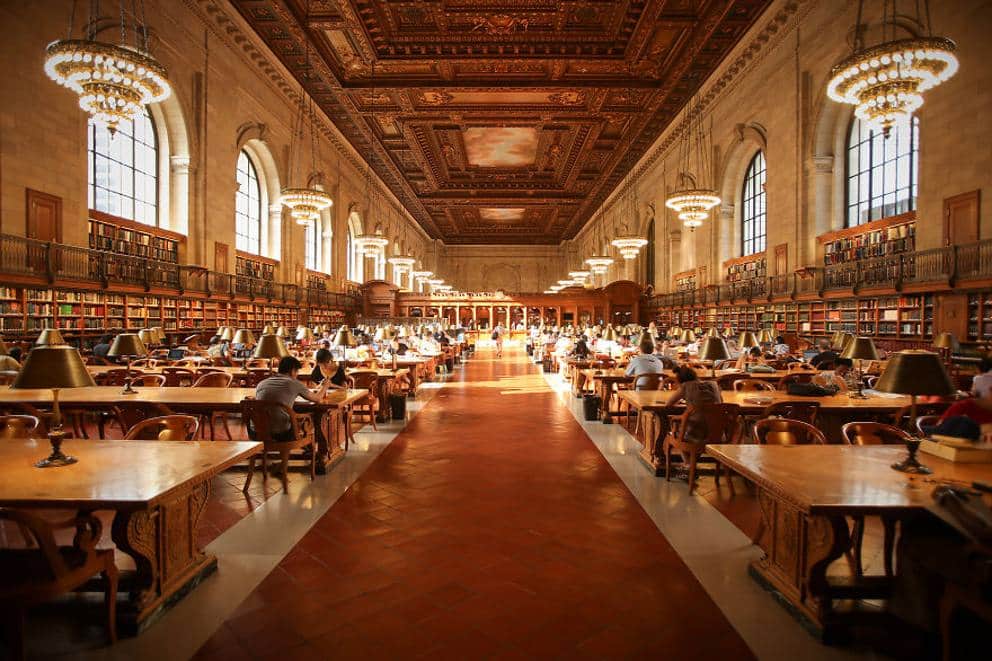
[[490, 528]]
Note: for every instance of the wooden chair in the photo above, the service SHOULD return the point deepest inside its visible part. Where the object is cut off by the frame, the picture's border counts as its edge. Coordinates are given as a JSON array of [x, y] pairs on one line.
[[752, 385], [804, 411], [29, 576], [141, 363], [902, 419], [795, 377], [783, 431], [258, 416], [370, 405], [925, 421], [256, 375], [873, 433], [128, 414], [19, 426], [178, 376], [165, 428], [727, 381], [218, 379], [149, 380], [721, 422], [647, 382], [7, 377]]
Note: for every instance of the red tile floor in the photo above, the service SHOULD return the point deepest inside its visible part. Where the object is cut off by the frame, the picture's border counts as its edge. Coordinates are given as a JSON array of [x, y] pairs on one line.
[[491, 527]]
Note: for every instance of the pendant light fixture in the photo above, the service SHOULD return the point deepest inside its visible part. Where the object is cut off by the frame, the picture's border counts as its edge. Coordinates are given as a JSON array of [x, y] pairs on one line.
[[693, 199], [885, 82], [371, 245], [629, 244], [304, 203], [600, 263], [114, 82]]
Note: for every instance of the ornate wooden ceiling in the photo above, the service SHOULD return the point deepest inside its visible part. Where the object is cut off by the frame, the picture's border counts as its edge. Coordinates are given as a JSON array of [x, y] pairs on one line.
[[502, 121]]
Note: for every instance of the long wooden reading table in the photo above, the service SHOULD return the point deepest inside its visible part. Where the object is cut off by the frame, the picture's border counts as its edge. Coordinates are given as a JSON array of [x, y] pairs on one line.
[[157, 491]]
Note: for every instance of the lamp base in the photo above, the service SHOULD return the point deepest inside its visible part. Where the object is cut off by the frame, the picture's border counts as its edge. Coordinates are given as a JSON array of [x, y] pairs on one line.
[[57, 458], [911, 464], [128, 389], [857, 394]]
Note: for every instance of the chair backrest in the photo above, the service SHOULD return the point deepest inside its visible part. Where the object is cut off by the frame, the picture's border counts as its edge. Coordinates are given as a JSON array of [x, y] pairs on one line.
[[256, 375], [258, 416], [723, 364], [144, 362], [214, 380], [88, 529], [604, 364], [131, 413], [258, 362], [800, 367], [178, 376], [185, 362], [115, 377], [873, 433], [7, 377], [803, 411], [783, 431], [752, 385], [649, 382], [727, 381], [18, 426], [149, 380], [721, 421], [795, 377], [367, 380], [901, 418], [164, 428]]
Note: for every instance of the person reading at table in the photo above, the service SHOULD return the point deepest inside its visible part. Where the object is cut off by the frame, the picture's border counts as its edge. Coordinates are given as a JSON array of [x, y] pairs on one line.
[[581, 349], [695, 393], [780, 349], [842, 376], [753, 356], [644, 363], [102, 348], [981, 385], [325, 369], [826, 357], [284, 387]]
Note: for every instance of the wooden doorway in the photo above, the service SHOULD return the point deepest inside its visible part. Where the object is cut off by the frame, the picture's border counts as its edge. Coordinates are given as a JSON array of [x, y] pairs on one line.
[[44, 216], [961, 218]]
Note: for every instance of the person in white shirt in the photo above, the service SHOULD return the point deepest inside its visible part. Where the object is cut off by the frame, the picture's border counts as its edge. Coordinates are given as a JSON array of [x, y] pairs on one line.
[[781, 348], [644, 363], [981, 385]]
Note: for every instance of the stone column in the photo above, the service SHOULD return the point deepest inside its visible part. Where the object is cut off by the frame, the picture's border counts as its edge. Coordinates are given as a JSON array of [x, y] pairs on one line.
[[178, 219], [819, 221]]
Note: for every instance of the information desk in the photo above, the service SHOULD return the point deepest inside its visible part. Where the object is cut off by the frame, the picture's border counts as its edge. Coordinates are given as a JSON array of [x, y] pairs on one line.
[[157, 491], [806, 494], [835, 407]]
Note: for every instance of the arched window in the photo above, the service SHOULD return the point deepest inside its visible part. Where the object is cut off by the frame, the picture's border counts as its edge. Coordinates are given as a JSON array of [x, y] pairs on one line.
[[754, 232], [247, 207], [881, 172], [312, 246], [123, 170]]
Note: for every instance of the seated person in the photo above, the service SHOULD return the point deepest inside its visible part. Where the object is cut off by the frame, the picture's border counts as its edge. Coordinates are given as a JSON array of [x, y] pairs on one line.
[[399, 347], [842, 376], [217, 348], [695, 393], [753, 356], [326, 370], [102, 348], [981, 385], [284, 387], [15, 353], [644, 363], [780, 349], [581, 349], [826, 356]]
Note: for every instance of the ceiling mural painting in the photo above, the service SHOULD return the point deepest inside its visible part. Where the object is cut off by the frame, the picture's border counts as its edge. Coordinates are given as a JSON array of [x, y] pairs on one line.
[[480, 108]]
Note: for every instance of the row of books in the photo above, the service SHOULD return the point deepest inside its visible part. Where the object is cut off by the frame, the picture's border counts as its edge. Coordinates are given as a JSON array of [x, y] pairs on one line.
[[875, 243]]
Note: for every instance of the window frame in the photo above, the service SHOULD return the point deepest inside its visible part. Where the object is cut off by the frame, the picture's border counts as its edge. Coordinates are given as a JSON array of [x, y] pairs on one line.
[[751, 217], [252, 173], [311, 245], [91, 168], [876, 172]]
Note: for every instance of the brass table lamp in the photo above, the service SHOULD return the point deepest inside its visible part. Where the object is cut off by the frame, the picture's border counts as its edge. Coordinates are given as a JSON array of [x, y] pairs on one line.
[[282, 332], [4, 351], [245, 338], [271, 347], [304, 334], [228, 334], [860, 349], [50, 337], [914, 372], [127, 345], [344, 339], [712, 332], [714, 349], [946, 344], [147, 337], [747, 340], [765, 336], [54, 367], [268, 330], [688, 336]]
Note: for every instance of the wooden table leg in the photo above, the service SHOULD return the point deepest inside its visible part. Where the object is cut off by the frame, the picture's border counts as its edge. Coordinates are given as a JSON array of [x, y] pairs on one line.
[[162, 543]]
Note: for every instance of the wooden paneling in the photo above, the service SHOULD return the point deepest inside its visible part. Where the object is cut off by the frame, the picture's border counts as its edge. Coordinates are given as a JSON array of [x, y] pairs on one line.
[[961, 214], [221, 263], [44, 216], [781, 259]]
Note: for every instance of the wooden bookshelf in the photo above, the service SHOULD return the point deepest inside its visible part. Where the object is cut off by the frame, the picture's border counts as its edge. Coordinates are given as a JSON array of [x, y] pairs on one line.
[[126, 237], [685, 281], [746, 268], [888, 236], [254, 266]]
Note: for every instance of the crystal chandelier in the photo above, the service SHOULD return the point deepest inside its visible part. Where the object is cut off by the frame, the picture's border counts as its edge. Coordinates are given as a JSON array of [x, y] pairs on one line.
[[627, 243], [692, 201], [600, 264], [304, 204], [885, 82], [402, 262], [579, 276], [114, 82], [371, 245]]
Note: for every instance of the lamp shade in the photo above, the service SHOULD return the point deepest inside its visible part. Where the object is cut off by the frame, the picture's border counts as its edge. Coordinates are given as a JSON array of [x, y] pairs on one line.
[[915, 372], [747, 340], [713, 332], [765, 336], [675, 332], [268, 330], [688, 336], [147, 336], [946, 341], [344, 338], [714, 348], [244, 336], [303, 333], [728, 333], [53, 367], [270, 346], [860, 348], [127, 345], [160, 335], [282, 332], [228, 333], [49, 337], [3, 348], [384, 333], [609, 334]]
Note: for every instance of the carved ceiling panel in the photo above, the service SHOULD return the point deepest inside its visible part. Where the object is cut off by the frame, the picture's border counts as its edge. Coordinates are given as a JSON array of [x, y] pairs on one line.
[[501, 121]]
